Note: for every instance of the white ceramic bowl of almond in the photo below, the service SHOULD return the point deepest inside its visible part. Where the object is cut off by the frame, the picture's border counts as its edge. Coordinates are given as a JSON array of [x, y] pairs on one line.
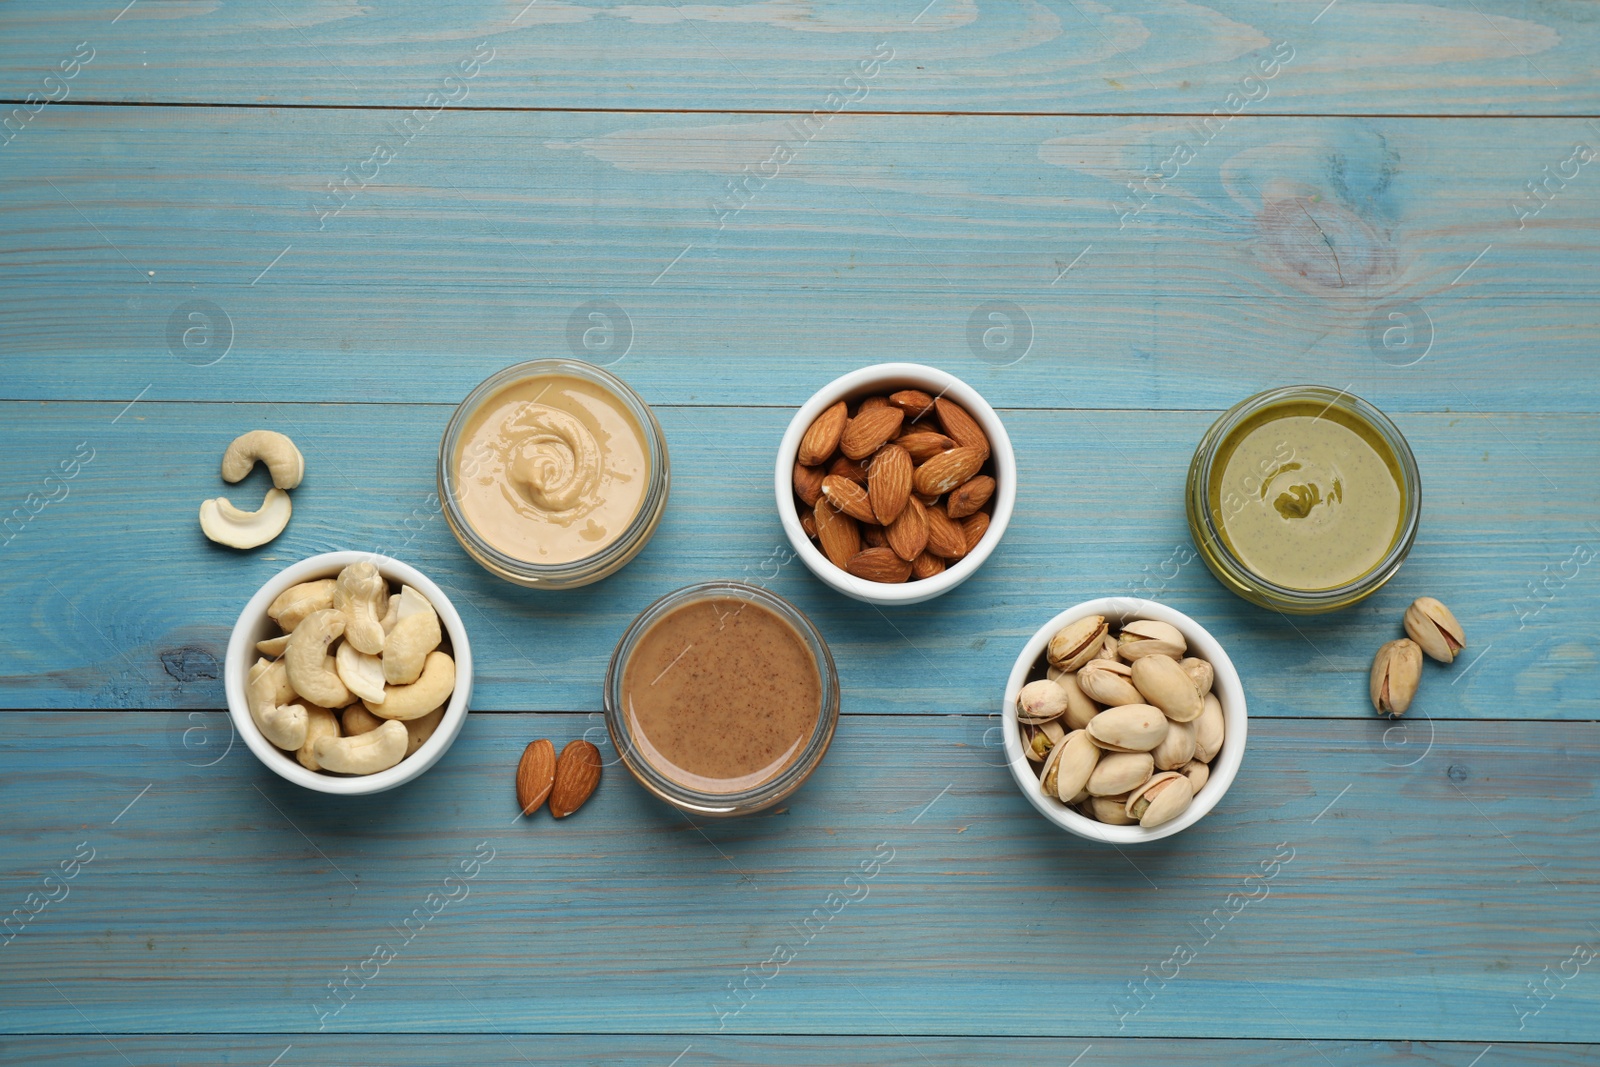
[[946, 484], [1124, 721], [348, 673]]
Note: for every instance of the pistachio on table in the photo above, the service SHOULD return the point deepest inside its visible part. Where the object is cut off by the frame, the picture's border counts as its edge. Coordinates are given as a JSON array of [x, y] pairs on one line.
[[1123, 725], [1396, 670], [1435, 629]]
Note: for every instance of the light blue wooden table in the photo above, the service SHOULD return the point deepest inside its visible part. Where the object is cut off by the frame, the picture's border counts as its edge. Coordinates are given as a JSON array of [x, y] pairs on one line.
[[332, 218]]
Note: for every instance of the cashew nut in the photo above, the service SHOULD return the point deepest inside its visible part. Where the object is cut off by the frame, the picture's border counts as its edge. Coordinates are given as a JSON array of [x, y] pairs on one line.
[[362, 674], [273, 646], [282, 458], [431, 689], [362, 594], [296, 602], [419, 730], [320, 723], [312, 671], [266, 690], [366, 753], [392, 616], [415, 635], [358, 720], [227, 525]]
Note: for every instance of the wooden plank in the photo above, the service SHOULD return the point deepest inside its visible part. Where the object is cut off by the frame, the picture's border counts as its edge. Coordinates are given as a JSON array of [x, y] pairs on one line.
[[1455, 56], [1289, 248], [118, 601], [1372, 902], [628, 1050]]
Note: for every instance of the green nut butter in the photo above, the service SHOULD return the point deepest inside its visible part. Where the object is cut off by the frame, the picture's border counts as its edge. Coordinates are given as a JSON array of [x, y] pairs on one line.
[[1306, 495]]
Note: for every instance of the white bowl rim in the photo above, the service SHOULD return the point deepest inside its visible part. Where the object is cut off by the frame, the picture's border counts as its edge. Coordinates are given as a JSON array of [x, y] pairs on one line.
[[1227, 687], [941, 383], [242, 654]]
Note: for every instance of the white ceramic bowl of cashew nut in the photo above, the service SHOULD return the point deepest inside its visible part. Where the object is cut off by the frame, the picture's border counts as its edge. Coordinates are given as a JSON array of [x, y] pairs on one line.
[[349, 673], [1228, 734]]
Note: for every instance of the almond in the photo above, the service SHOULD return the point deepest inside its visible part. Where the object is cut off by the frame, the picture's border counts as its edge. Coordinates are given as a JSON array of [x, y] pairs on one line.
[[970, 496], [889, 482], [867, 432], [947, 470], [879, 565], [872, 402], [808, 483], [925, 444], [848, 497], [945, 536], [808, 523], [960, 426], [974, 528], [909, 534], [849, 468], [536, 773], [577, 773], [838, 534], [822, 437], [914, 402], [927, 565], [927, 500], [873, 535]]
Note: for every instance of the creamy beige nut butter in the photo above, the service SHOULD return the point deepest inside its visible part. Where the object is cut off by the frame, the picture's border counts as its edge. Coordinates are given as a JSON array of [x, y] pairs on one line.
[[721, 695], [551, 469]]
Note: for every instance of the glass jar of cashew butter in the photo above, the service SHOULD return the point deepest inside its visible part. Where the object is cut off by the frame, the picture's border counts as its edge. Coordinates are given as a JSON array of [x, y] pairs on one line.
[[553, 473]]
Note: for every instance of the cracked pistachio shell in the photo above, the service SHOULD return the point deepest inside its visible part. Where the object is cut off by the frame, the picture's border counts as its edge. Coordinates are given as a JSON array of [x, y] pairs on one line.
[[1168, 686], [1118, 772], [1109, 681], [1208, 730], [1041, 701], [1176, 749], [1076, 643], [1396, 670], [1080, 709], [1432, 626], [1109, 810], [1147, 637], [1129, 728], [1108, 648], [1200, 672], [1198, 774], [1161, 799], [1070, 765], [1038, 739]]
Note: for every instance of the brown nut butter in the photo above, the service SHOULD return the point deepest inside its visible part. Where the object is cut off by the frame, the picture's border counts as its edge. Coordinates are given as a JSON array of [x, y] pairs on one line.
[[721, 695]]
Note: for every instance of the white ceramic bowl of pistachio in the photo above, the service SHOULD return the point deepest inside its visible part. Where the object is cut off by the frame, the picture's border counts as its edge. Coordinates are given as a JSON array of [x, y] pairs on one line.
[[1224, 685], [428, 735]]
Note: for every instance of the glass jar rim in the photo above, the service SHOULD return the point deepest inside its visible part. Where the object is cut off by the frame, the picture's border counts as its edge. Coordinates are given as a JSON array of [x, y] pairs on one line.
[[757, 797], [616, 552], [1240, 577]]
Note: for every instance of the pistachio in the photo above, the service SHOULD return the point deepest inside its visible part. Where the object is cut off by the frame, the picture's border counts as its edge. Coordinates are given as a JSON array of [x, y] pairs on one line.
[[1118, 772], [1147, 637], [1074, 760], [1209, 730], [1076, 643], [1201, 672], [1041, 701], [1167, 686], [1108, 649], [1396, 670], [1176, 749], [1109, 810], [1129, 728], [1432, 626], [1198, 774], [1160, 800], [1038, 740], [1110, 681], [1080, 709]]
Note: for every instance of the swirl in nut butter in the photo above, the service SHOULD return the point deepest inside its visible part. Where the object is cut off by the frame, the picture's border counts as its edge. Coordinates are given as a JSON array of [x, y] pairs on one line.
[[551, 469]]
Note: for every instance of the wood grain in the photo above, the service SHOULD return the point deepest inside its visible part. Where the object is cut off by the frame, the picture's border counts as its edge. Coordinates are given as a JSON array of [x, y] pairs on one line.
[[1452, 57], [1283, 250], [1406, 902], [118, 601]]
